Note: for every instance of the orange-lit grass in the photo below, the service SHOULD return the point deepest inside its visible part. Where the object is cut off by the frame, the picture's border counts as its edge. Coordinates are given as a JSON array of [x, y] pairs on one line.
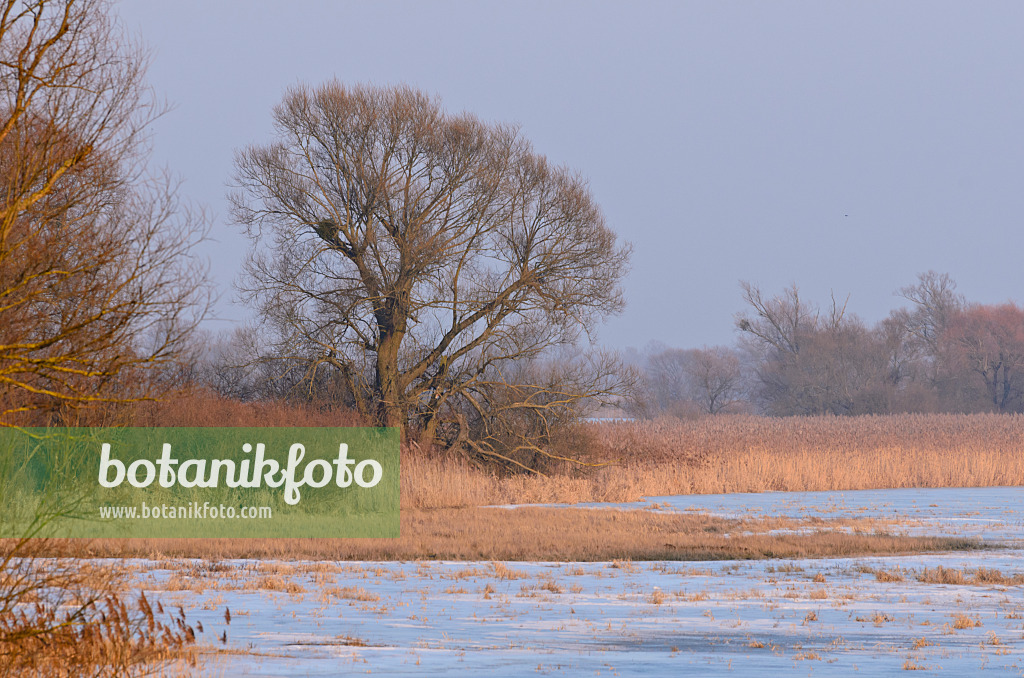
[[733, 453], [60, 617], [531, 534], [741, 454]]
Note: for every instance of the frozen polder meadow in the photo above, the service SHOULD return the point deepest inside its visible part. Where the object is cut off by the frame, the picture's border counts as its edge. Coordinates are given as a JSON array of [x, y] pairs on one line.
[[872, 616], [993, 514]]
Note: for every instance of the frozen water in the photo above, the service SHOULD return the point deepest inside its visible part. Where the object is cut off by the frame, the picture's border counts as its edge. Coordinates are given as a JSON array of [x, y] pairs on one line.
[[827, 617], [989, 513]]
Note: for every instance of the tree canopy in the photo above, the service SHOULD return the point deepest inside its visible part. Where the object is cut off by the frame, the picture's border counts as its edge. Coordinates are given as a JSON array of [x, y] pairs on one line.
[[97, 281], [429, 260]]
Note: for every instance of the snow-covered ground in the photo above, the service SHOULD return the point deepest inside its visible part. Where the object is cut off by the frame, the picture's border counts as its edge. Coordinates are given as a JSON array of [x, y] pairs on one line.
[[830, 617]]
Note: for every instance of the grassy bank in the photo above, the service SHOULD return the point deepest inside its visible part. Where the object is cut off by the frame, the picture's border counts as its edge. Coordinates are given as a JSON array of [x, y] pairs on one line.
[[444, 492], [551, 534], [740, 454]]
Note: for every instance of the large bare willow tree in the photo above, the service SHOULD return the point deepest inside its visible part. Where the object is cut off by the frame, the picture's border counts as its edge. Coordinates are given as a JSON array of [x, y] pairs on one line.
[[97, 281], [429, 259]]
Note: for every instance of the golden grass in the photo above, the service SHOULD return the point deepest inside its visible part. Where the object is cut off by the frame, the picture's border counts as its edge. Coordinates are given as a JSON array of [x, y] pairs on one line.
[[530, 534], [980, 577], [889, 576], [197, 407], [962, 621], [886, 576], [442, 491], [350, 593], [64, 618], [721, 454], [279, 583], [739, 454], [726, 453]]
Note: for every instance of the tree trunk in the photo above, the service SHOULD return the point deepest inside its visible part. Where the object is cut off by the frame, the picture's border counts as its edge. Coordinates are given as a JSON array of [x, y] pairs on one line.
[[429, 432], [389, 407]]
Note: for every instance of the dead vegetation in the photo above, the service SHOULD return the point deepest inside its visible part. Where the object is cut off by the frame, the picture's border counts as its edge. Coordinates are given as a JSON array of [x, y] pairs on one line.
[[624, 461], [444, 495], [962, 621], [979, 577], [443, 490], [528, 534], [739, 453], [950, 576], [350, 593], [68, 618]]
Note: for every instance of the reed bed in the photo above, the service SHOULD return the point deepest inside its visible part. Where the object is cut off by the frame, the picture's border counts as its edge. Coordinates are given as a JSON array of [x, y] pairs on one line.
[[442, 491], [625, 461]]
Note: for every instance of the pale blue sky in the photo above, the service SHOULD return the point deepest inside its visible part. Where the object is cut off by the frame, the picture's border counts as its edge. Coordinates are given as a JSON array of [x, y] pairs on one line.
[[843, 146]]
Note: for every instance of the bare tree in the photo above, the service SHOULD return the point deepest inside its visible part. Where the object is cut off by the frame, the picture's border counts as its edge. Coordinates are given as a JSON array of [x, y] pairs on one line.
[[774, 328], [708, 380], [776, 323], [987, 342], [716, 378], [935, 302], [98, 294], [811, 362], [513, 413], [415, 252], [97, 284], [667, 378]]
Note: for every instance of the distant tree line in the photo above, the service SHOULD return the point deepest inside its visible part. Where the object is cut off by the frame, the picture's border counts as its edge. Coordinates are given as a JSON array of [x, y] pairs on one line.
[[937, 353]]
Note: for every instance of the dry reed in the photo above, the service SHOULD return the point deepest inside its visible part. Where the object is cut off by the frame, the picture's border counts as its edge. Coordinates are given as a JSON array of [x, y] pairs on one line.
[[742, 454], [624, 461], [63, 618], [548, 534]]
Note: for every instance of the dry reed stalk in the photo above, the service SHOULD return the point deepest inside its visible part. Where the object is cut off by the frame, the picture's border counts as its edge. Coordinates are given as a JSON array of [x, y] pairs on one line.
[[60, 618]]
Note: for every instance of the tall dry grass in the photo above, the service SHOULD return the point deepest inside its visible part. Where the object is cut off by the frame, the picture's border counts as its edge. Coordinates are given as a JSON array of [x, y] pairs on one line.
[[625, 461], [203, 408], [67, 618], [742, 454]]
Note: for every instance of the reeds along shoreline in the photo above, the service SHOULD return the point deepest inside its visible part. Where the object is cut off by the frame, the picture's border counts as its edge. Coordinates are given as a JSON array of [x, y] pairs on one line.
[[624, 461], [741, 454]]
